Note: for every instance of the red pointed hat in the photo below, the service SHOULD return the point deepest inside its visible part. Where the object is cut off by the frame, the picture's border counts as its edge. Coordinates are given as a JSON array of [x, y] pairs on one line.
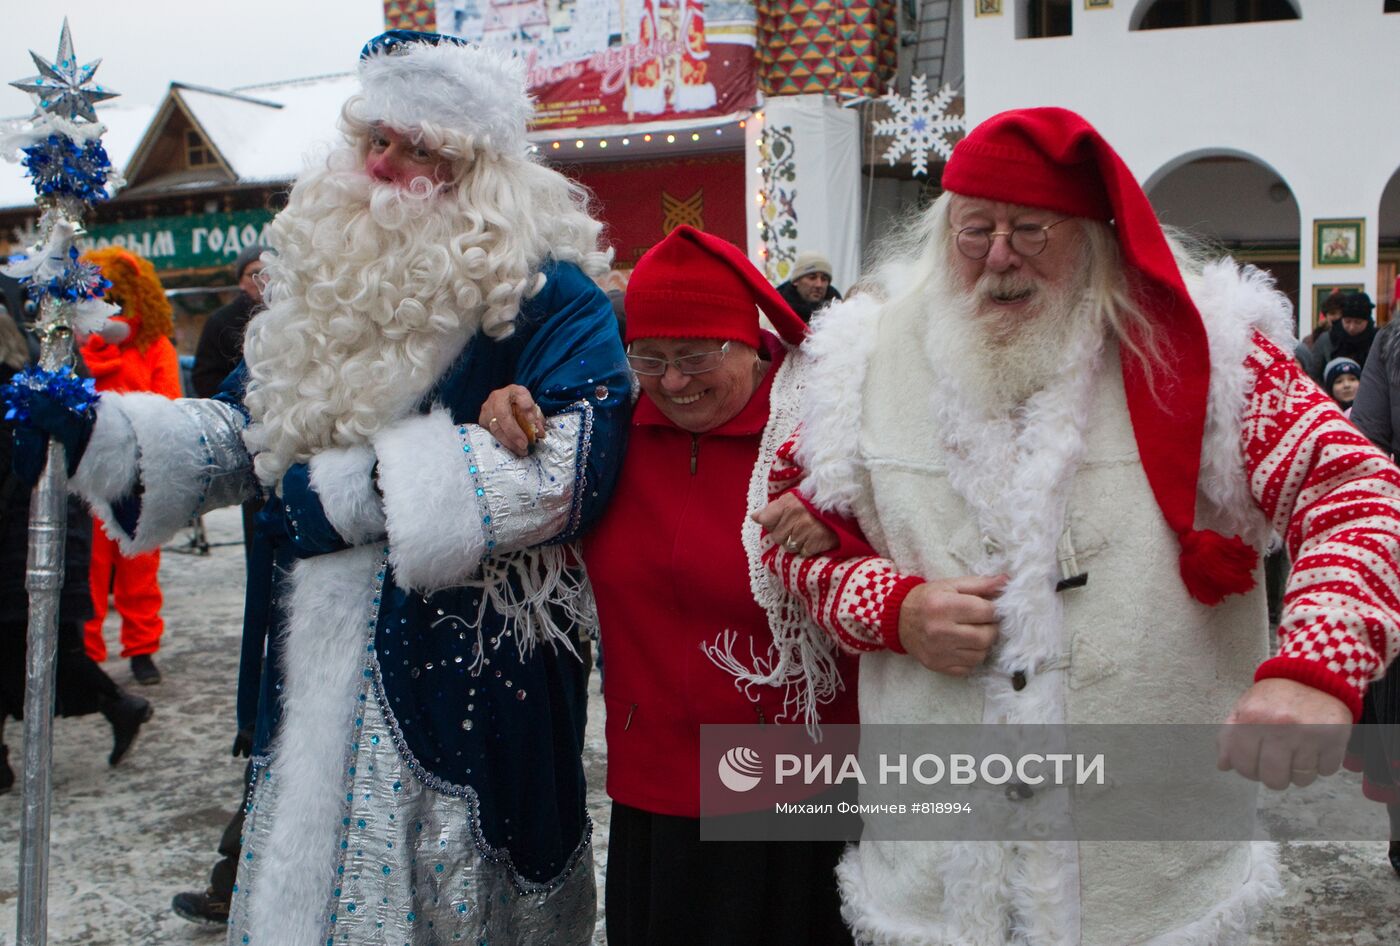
[[1053, 159], [694, 285]]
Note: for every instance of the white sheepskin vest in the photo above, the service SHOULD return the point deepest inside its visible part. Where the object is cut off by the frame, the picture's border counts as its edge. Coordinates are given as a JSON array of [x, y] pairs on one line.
[[1131, 646]]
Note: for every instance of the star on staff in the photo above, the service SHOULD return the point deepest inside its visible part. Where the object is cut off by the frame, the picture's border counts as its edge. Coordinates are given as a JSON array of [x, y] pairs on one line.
[[62, 87]]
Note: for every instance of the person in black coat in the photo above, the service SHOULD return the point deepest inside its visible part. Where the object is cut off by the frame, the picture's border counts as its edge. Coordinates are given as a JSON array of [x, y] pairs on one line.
[[1350, 336], [809, 285], [81, 686], [218, 353], [1375, 750], [220, 345]]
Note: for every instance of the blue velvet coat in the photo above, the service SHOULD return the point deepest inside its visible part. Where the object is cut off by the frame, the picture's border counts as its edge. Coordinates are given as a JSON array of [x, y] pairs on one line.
[[521, 755]]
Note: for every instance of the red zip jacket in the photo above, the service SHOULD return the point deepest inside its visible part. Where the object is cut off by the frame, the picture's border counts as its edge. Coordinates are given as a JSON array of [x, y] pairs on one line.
[[670, 574]]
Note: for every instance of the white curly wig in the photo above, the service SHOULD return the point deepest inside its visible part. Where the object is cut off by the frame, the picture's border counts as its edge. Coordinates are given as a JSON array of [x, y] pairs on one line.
[[374, 289]]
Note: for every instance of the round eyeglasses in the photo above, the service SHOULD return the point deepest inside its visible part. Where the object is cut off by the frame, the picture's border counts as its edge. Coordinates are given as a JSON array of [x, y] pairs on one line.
[[698, 363], [1026, 239]]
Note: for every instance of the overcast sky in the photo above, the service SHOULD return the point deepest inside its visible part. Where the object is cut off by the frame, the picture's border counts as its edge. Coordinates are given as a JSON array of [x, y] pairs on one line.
[[145, 45]]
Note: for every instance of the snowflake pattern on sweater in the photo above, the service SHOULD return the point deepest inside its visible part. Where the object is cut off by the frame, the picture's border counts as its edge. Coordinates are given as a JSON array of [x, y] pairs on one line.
[[1333, 496]]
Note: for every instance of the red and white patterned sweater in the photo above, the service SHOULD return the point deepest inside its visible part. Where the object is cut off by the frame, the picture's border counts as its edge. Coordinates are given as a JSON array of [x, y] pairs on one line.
[[1333, 496]]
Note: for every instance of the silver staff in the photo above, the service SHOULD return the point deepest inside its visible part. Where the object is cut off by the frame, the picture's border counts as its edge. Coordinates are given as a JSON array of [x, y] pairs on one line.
[[64, 119]]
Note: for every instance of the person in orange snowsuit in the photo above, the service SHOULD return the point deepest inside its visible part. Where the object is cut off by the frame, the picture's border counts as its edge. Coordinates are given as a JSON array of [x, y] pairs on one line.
[[132, 353]]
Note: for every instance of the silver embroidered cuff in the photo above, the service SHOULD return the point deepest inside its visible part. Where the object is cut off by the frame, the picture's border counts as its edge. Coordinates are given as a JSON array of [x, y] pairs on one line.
[[529, 500], [228, 467]]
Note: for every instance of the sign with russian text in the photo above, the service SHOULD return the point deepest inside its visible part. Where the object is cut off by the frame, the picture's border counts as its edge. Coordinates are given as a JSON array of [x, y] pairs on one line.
[[194, 242], [605, 62]]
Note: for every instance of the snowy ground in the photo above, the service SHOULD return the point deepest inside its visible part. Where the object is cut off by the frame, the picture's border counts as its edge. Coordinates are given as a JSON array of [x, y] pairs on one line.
[[127, 839]]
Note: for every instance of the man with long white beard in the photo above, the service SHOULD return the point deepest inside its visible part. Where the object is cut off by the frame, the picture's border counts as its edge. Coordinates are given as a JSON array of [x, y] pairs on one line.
[[436, 399], [1065, 524]]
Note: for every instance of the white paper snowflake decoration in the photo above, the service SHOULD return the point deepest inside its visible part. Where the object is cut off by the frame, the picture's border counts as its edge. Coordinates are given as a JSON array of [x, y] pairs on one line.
[[919, 125]]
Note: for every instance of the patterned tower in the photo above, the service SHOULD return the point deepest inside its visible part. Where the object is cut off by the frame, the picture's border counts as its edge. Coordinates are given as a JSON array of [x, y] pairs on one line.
[[827, 46], [410, 15]]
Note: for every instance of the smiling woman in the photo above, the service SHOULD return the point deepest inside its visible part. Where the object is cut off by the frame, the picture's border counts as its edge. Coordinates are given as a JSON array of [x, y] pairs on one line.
[[698, 384], [670, 571]]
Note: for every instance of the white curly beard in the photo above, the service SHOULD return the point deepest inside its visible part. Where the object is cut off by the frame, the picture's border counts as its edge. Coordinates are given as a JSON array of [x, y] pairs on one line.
[[367, 308], [1002, 359]]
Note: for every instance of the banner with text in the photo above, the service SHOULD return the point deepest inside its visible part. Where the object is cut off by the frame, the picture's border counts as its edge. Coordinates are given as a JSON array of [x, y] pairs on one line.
[[194, 242], [606, 62], [1039, 782]]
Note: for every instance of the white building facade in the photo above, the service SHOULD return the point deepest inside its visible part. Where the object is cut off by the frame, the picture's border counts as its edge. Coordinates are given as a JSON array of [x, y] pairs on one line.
[[1279, 138]]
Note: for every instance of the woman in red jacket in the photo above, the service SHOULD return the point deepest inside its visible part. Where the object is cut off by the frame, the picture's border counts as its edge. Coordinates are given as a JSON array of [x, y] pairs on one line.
[[133, 353], [671, 573]]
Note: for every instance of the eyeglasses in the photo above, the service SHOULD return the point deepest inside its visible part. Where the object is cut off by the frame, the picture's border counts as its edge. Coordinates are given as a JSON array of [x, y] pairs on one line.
[[698, 363], [1025, 240]]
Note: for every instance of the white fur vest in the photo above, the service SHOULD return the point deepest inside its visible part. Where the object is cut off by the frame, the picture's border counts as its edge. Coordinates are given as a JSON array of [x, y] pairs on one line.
[[943, 499]]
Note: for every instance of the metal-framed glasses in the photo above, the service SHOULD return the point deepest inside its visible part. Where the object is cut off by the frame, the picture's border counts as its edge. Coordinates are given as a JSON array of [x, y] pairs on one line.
[[698, 363], [1026, 239]]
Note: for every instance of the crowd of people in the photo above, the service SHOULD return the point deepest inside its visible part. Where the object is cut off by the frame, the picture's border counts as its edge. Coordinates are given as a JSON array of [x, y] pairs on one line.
[[463, 466]]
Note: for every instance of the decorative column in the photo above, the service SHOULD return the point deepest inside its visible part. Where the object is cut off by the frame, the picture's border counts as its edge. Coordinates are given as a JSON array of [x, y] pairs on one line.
[[803, 181]]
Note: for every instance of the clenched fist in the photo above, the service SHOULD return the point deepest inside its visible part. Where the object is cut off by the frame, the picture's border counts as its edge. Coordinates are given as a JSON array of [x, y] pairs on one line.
[[949, 625]]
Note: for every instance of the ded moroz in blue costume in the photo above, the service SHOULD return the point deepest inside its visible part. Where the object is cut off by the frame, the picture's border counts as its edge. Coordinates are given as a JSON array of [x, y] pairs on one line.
[[413, 596]]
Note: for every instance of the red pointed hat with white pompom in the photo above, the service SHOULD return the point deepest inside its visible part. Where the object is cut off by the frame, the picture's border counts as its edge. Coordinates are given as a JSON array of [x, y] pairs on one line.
[[695, 285], [1054, 159]]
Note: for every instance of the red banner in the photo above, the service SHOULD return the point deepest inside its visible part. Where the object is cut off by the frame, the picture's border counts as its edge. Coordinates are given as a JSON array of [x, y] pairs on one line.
[[601, 62], [641, 202]]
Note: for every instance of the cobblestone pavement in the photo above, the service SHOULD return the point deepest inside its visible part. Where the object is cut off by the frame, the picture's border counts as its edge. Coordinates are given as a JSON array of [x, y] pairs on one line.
[[125, 840]]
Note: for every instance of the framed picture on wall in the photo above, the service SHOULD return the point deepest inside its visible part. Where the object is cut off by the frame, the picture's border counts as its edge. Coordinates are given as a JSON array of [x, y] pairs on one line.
[[1321, 291], [988, 8], [1339, 242]]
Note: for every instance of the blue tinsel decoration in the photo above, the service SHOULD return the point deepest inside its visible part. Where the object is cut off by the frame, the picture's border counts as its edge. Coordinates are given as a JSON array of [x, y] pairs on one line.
[[60, 167], [74, 393], [78, 281]]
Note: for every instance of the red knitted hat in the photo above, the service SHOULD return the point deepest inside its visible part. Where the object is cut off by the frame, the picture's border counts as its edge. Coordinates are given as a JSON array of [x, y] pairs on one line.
[[694, 285], [1053, 159]]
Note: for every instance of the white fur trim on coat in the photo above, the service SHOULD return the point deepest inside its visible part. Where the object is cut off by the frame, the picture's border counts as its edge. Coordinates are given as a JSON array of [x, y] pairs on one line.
[[329, 612], [842, 338], [1230, 922], [433, 518], [469, 89], [159, 443], [1234, 303], [343, 479], [109, 466]]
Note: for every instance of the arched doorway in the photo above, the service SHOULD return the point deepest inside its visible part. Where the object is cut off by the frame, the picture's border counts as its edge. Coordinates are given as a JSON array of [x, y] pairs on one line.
[[1388, 249], [1236, 201]]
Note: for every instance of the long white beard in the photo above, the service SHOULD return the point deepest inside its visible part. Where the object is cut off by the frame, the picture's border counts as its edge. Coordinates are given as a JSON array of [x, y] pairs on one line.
[[1001, 359], [366, 310]]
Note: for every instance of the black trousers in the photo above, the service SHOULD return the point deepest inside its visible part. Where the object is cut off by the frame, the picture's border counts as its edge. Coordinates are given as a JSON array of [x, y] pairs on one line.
[[225, 872], [666, 886], [1375, 744], [81, 686]]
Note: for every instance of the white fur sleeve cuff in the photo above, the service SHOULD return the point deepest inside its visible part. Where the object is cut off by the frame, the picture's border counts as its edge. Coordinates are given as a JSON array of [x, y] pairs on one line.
[[343, 479], [436, 537], [187, 455], [107, 471], [452, 494]]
